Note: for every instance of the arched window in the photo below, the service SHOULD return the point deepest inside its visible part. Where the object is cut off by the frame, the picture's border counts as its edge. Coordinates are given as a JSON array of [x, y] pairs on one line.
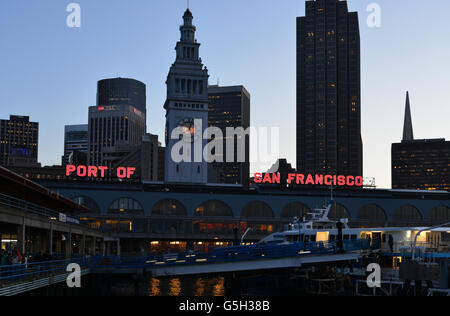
[[372, 212], [214, 208], [126, 206], [169, 207], [87, 202], [440, 214], [257, 209], [407, 213], [338, 212], [295, 209]]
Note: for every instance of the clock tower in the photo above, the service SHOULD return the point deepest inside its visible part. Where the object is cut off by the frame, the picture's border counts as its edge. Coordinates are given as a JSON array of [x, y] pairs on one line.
[[186, 110]]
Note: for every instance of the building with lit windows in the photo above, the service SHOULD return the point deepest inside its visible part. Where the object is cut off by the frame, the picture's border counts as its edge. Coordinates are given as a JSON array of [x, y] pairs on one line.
[[229, 106], [420, 164], [116, 125], [329, 90], [174, 217], [19, 142]]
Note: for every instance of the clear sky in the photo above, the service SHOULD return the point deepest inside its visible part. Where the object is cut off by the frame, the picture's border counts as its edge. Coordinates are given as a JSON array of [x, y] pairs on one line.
[[49, 71]]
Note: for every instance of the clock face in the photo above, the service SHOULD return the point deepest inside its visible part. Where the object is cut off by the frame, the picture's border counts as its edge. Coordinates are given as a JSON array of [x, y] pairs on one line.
[[188, 128]]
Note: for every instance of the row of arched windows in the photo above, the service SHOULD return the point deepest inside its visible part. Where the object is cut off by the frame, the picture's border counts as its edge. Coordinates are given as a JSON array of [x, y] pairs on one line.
[[259, 209]]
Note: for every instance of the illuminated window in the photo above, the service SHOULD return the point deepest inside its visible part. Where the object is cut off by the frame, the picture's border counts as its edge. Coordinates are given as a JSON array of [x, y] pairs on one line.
[[169, 207], [126, 206]]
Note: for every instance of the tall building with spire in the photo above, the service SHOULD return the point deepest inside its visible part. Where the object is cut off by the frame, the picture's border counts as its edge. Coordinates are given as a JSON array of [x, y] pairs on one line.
[[329, 90], [408, 134], [187, 108], [421, 164]]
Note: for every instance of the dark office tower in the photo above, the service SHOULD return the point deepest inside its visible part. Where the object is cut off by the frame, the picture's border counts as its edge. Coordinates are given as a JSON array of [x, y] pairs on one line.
[[75, 144], [229, 107], [119, 91], [328, 90], [114, 132], [19, 142], [161, 162], [420, 164], [118, 122]]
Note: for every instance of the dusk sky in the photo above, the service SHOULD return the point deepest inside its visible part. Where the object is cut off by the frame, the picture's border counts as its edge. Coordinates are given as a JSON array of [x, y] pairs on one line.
[[49, 71]]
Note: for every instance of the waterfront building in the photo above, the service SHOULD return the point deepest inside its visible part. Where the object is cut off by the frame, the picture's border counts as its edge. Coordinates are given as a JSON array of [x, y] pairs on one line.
[[34, 219], [422, 164], [162, 217], [186, 104], [19, 141], [329, 90], [229, 106]]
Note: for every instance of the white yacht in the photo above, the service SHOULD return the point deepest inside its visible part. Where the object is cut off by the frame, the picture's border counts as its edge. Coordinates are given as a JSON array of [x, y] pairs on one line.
[[315, 227]]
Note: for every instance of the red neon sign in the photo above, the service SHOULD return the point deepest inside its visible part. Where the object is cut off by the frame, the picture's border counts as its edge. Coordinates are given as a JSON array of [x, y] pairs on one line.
[[101, 108], [98, 172], [318, 179]]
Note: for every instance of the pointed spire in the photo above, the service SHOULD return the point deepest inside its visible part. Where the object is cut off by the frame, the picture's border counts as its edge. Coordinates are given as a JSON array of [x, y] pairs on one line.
[[407, 127]]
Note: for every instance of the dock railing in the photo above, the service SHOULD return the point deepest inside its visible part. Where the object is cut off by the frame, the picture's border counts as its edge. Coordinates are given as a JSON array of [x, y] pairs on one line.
[[16, 273], [32, 208]]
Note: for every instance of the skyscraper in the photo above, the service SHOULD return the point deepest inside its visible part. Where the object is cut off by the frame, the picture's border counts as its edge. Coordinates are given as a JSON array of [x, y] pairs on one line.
[[119, 91], [229, 107], [420, 164], [186, 104], [408, 133], [75, 141], [115, 130], [19, 141], [329, 90]]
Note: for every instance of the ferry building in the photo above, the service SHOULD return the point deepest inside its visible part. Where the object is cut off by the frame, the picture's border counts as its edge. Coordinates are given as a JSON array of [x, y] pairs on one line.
[[158, 217]]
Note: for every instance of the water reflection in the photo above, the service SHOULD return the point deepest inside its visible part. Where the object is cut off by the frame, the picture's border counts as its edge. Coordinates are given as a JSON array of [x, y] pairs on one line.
[[155, 287], [175, 287], [199, 287], [187, 286]]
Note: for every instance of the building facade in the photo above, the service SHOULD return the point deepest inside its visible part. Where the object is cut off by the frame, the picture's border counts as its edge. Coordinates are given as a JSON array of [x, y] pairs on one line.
[[114, 131], [117, 124], [161, 162], [422, 164], [230, 107], [75, 143], [19, 142], [186, 110], [183, 217], [149, 158], [119, 91], [329, 90]]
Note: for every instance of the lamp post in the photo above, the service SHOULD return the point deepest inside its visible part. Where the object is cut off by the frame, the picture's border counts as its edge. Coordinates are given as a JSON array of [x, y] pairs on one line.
[[417, 235]]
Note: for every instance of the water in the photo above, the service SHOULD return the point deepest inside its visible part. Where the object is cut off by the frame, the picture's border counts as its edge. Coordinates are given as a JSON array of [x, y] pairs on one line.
[[213, 286]]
